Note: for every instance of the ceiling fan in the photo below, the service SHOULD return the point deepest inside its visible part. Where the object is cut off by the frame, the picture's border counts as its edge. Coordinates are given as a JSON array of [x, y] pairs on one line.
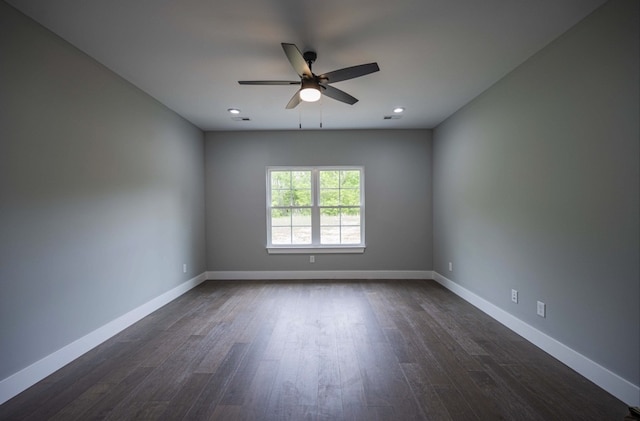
[[312, 86]]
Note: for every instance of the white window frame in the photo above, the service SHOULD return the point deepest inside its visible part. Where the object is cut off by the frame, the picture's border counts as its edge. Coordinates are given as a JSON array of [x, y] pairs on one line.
[[315, 247]]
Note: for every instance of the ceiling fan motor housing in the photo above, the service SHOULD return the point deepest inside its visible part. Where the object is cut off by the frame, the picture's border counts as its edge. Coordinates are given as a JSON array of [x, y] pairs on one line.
[[310, 57]]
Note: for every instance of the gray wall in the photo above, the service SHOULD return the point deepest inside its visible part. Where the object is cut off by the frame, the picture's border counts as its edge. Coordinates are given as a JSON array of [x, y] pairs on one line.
[[101, 195], [536, 188], [397, 167]]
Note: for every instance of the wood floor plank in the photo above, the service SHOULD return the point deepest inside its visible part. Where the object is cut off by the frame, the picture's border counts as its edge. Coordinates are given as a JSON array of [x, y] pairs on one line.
[[424, 393], [220, 343], [257, 396], [368, 413], [414, 337], [238, 388], [380, 307], [456, 365], [400, 346], [518, 379], [230, 412], [182, 402], [166, 380], [70, 388], [329, 391], [46, 395], [285, 393], [456, 404], [77, 407], [115, 395], [457, 331], [275, 347], [205, 404], [511, 406], [351, 383], [317, 350]]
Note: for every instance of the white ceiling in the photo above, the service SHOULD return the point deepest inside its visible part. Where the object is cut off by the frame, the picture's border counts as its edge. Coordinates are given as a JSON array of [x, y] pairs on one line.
[[434, 55]]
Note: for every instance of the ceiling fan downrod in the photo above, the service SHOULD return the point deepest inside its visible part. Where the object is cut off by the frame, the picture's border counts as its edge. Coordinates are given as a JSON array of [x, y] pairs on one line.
[[310, 57]]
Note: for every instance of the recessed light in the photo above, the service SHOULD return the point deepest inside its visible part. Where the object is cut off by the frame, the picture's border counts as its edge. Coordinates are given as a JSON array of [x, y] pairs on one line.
[[234, 110], [398, 110]]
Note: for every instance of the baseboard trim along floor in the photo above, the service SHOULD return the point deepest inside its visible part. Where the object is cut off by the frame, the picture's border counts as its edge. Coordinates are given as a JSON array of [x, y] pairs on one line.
[[318, 274], [27, 377], [607, 380]]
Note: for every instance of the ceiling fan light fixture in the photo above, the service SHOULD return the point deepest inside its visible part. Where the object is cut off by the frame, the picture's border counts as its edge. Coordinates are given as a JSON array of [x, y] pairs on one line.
[[309, 94], [398, 110], [310, 91], [234, 110]]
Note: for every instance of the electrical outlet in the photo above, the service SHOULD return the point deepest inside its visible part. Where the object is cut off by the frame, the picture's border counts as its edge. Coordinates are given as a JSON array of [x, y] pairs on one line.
[[542, 309], [450, 267], [312, 259], [514, 296], [184, 268]]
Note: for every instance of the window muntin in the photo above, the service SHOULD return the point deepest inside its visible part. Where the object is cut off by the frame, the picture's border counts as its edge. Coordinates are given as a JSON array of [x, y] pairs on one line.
[[315, 207]]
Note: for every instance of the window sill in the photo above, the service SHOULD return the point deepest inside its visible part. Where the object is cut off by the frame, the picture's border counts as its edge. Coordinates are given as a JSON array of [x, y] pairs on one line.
[[315, 250]]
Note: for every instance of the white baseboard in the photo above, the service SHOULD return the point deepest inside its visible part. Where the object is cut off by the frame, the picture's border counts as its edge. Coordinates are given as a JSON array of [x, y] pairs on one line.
[[27, 377], [609, 381], [319, 274]]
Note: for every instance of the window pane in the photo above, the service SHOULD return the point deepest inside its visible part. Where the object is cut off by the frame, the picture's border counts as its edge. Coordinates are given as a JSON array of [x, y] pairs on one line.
[[280, 217], [330, 216], [350, 179], [329, 179], [350, 235], [280, 179], [350, 216], [281, 198], [280, 235], [302, 197], [301, 179], [301, 235], [329, 197], [350, 197], [301, 217], [329, 235]]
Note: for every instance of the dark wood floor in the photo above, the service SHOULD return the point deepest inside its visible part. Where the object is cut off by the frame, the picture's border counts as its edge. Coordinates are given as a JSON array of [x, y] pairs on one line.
[[366, 350]]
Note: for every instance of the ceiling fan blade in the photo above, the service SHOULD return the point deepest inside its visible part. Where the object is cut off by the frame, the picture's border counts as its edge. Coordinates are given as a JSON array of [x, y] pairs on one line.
[[269, 82], [337, 94], [349, 72], [294, 101], [297, 61]]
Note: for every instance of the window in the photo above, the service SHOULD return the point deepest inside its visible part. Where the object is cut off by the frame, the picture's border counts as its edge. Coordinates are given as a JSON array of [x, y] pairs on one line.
[[319, 209]]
